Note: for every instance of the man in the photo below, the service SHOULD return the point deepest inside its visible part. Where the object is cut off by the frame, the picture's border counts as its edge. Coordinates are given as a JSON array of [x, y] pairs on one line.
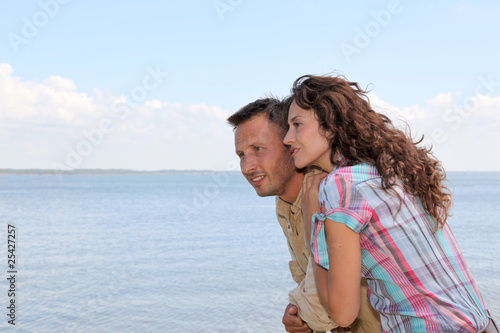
[[268, 166]]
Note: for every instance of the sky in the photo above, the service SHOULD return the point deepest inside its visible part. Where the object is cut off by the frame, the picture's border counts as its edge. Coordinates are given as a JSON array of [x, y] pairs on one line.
[[148, 85]]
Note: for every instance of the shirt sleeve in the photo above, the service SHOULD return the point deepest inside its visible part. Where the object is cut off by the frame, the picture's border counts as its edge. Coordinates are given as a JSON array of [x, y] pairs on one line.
[[305, 297], [343, 203]]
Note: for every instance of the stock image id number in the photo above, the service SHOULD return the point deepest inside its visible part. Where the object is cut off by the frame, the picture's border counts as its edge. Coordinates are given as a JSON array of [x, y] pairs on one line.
[[11, 246]]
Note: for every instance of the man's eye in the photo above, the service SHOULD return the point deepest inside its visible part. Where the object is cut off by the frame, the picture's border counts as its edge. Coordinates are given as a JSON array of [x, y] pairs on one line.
[[240, 155], [258, 148]]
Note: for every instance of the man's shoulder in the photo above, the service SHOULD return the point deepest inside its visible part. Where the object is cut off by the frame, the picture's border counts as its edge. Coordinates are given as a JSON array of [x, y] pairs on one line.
[[312, 171]]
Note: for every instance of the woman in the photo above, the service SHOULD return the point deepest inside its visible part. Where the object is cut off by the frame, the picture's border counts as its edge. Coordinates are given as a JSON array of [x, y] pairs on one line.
[[384, 215]]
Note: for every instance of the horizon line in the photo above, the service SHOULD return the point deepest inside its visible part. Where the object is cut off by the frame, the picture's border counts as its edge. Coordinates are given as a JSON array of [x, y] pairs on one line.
[[160, 171]]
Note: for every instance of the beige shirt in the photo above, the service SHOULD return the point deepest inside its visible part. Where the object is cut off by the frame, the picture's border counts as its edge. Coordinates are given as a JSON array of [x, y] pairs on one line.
[[305, 295]]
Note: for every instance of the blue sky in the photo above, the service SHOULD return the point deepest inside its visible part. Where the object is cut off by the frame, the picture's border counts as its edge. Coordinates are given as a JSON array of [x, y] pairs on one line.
[[123, 84]]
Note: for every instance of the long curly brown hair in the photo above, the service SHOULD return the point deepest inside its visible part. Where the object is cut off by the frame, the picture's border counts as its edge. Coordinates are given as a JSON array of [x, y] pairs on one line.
[[363, 135]]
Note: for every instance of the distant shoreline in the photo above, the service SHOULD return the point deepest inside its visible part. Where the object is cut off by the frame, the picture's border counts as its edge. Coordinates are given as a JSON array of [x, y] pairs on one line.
[[41, 172]]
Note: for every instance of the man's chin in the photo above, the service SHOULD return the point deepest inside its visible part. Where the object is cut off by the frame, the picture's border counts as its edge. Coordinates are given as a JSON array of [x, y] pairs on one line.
[[261, 192]]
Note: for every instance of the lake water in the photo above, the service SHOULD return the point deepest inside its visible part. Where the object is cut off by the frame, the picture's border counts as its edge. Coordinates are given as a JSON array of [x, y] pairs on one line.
[[178, 253]]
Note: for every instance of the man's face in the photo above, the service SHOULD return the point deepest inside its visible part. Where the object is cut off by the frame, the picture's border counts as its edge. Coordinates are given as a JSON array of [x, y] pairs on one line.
[[264, 161]]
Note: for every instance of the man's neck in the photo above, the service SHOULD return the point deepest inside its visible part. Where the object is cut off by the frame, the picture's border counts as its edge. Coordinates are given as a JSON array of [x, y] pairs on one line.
[[293, 189]]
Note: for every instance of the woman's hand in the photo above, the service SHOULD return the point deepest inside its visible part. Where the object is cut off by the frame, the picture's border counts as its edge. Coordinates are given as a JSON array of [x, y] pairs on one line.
[[310, 202]]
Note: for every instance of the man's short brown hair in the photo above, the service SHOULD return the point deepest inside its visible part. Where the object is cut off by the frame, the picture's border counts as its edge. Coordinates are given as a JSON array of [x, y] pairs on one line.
[[274, 109]]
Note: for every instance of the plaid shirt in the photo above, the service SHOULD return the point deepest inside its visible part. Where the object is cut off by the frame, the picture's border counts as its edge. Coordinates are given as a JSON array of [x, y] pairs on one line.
[[418, 279]]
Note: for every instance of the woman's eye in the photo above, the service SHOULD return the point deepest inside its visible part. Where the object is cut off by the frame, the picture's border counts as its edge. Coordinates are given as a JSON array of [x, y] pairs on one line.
[[296, 125]]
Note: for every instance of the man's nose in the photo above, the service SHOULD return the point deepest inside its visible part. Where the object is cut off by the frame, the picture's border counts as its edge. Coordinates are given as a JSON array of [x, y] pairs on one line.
[[248, 164]]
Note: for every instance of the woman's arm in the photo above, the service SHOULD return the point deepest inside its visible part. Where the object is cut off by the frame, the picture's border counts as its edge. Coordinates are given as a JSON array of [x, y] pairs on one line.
[[339, 287]]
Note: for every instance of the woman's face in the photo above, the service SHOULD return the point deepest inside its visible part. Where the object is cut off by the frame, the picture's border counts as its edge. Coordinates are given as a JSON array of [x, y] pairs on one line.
[[308, 145]]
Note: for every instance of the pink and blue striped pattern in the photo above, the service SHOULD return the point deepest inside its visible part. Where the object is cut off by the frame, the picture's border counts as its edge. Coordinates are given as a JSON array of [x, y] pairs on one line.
[[418, 280]]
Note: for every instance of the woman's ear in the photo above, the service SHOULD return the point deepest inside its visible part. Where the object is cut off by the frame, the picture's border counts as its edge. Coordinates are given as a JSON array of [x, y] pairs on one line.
[[327, 133]]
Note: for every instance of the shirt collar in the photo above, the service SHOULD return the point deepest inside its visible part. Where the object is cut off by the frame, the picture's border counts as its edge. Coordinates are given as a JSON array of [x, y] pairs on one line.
[[295, 207], [287, 206], [341, 161]]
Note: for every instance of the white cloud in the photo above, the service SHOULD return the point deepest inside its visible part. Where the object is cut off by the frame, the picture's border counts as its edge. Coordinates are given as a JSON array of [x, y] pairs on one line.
[[464, 132], [50, 124], [55, 101], [60, 84]]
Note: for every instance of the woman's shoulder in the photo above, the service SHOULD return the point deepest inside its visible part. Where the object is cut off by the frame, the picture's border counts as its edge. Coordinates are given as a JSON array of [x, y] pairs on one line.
[[353, 173]]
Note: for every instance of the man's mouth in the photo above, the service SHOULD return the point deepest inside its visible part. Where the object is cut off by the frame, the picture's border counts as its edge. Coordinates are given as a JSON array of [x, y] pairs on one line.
[[256, 180]]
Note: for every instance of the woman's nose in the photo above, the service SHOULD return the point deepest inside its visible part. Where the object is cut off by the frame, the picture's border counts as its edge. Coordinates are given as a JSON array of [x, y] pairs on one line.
[[289, 138]]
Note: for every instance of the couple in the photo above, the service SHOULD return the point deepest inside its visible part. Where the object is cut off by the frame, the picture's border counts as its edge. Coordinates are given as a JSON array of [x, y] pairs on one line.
[[355, 192]]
